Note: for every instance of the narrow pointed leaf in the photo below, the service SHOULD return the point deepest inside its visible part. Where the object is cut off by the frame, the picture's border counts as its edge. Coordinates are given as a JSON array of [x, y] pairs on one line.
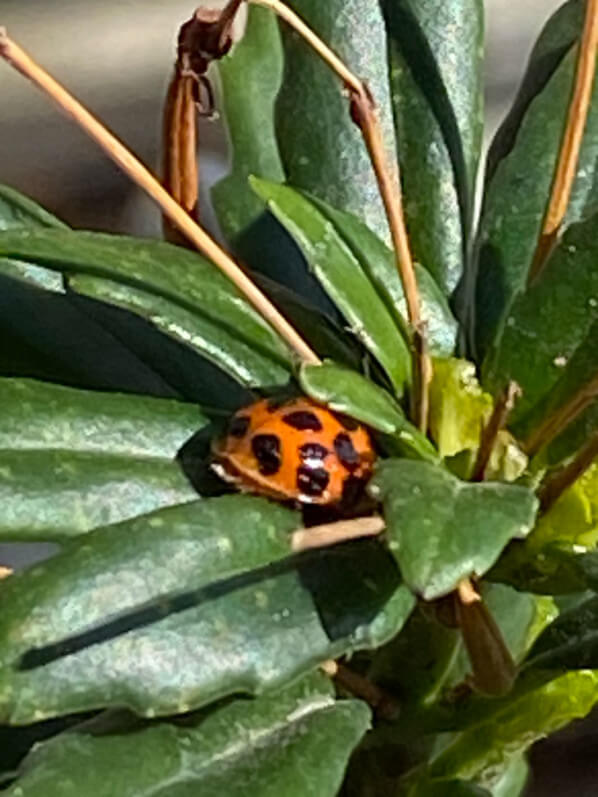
[[342, 277], [190, 602], [351, 393], [548, 343], [378, 262], [250, 77], [435, 59], [72, 460], [167, 272], [296, 742], [522, 172], [39, 415], [18, 211], [571, 642], [244, 363], [443, 530], [51, 495], [312, 114]]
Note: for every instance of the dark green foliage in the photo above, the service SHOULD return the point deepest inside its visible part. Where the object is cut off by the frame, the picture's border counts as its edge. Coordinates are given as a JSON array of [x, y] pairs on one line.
[[172, 645]]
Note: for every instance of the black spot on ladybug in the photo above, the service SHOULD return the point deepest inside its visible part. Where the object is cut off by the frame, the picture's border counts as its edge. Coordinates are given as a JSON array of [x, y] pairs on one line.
[[239, 425], [266, 448], [350, 424], [345, 451], [303, 420], [311, 451], [312, 481]]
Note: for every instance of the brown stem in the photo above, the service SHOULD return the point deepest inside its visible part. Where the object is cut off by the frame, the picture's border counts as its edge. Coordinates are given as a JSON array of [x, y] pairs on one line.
[[363, 111], [563, 417], [180, 172], [491, 662], [333, 533], [141, 175], [384, 704], [498, 420], [555, 485], [571, 143]]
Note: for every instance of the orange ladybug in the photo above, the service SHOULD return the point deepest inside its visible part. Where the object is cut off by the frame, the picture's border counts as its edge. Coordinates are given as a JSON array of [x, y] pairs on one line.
[[296, 449]]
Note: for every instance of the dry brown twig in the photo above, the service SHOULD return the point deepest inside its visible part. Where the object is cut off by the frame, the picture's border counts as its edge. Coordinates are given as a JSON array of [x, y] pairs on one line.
[[556, 484], [498, 420], [141, 175], [364, 114], [568, 158]]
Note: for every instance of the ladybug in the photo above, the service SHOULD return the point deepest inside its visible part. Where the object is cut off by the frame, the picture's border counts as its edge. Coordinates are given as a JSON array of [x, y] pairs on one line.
[[296, 450]]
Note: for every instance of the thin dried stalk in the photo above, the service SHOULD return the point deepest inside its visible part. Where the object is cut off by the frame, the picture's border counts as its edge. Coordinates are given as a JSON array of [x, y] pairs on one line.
[[333, 533], [563, 417], [498, 420], [555, 486], [364, 114], [141, 175], [571, 144], [180, 171]]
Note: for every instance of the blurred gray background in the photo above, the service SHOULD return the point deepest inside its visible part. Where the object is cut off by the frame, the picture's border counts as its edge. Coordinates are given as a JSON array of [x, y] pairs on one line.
[[116, 56]]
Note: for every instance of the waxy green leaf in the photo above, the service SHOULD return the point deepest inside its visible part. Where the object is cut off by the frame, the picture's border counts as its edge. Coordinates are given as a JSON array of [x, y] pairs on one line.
[[342, 276], [378, 262], [548, 345], [313, 115], [72, 460], [351, 393], [295, 743], [191, 603], [250, 77], [18, 211], [435, 52], [571, 642], [443, 530], [522, 168], [169, 274], [39, 416]]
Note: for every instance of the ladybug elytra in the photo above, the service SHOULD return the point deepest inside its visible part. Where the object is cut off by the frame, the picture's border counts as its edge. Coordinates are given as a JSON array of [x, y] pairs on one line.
[[296, 450]]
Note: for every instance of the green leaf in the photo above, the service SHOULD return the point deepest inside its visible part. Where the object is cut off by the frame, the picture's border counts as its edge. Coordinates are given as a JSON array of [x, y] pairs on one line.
[[378, 262], [37, 416], [295, 743], [191, 603], [459, 408], [548, 343], [168, 273], [313, 116], [240, 360], [17, 211], [342, 277], [522, 172], [250, 78], [435, 54], [443, 530], [348, 392], [510, 725], [571, 642], [51, 495], [72, 460], [513, 779]]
